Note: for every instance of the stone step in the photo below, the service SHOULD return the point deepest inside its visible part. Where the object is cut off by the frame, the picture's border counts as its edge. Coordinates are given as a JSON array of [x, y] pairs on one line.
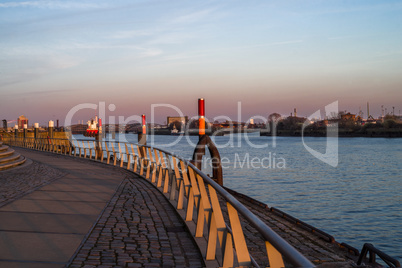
[[10, 158], [3, 148], [19, 161], [7, 153]]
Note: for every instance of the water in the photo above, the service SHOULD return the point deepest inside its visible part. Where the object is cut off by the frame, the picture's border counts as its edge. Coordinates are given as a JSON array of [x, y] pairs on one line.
[[357, 202]]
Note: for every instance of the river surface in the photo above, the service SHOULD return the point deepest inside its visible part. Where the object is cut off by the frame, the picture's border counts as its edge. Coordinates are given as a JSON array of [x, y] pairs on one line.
[[357, 199]]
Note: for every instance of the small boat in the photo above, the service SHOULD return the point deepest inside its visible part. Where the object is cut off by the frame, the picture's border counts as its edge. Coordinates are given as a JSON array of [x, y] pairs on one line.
[[92, 129]]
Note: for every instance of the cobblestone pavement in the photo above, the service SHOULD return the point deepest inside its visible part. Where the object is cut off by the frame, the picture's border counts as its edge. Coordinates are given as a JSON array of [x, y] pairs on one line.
[[21, 180], [139, 228]]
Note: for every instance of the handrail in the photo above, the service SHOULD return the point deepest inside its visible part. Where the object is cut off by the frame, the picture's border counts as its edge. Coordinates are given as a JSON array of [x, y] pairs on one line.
[[373, 251], [191, 191], [290, 253]]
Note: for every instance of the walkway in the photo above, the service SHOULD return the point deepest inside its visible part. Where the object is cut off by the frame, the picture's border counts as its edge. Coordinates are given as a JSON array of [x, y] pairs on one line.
[[59, 210]]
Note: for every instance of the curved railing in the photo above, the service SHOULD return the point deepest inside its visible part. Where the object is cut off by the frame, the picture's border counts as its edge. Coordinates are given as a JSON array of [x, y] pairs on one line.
[[197, 198]]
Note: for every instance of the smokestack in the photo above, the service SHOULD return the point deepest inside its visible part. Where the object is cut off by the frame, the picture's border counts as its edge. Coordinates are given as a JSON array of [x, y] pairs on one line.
[[295, 112], [368, 110]]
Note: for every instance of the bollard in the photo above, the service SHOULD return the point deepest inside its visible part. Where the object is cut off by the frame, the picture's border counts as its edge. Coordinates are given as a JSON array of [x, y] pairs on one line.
[[200, 148], [98, 140], [201, 117], [100, 127], [36, 130], [199, 152], [16, 131], [113, 130], [50, 129], [142, 136], [25, 130]]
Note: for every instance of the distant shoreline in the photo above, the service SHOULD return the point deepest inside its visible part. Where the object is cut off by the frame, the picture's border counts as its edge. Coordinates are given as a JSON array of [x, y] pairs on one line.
[[343, 133]]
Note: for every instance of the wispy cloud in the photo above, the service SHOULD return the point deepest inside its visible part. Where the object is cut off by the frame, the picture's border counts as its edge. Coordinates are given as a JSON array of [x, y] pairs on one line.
[[280, 43], [47, 92], [378, 6], [341, 37], [150, 52], [193, 16], [172, 38], [182, 56], [143, 51], [51, 5], [130, 34]]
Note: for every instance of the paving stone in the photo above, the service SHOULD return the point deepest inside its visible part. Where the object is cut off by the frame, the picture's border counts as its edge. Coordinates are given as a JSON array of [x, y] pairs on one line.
[[131, 239]]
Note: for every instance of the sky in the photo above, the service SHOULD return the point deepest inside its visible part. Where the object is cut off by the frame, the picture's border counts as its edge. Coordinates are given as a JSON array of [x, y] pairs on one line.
[[245, 58]]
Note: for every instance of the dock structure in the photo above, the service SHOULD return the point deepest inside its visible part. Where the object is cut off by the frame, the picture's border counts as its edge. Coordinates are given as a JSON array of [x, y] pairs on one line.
[[104, 205]]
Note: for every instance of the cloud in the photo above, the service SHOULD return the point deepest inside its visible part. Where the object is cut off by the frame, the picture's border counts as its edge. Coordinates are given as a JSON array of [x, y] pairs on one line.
[[182, 56], [280, 43], [150, 52], [47, 92], [172, 38], [193, 17], [130, 34], [51, 5], [143, 51]]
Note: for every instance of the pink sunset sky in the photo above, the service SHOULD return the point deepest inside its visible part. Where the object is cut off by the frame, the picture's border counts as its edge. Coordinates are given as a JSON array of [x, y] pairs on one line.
[[272, 56]]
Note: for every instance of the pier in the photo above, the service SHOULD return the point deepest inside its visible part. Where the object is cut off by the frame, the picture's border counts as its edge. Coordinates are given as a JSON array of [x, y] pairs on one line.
[[143, 207]]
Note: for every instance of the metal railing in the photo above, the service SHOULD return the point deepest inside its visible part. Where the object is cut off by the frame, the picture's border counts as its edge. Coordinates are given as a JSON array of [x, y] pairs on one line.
[[373, 251], [196, 197]]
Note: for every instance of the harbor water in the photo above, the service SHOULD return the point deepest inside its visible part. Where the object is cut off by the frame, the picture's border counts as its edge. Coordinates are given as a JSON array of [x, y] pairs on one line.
[[357, 200]]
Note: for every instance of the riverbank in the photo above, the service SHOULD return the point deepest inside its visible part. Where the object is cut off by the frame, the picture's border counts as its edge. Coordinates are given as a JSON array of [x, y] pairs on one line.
[[364, 133], [194, 132]]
